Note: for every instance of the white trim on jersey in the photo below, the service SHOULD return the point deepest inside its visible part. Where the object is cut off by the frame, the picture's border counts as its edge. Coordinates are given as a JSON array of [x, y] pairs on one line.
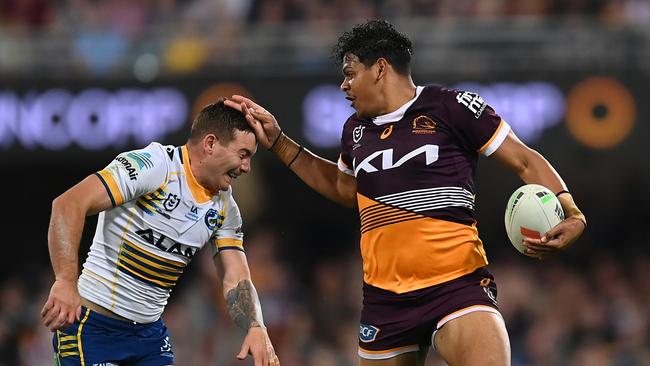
[[344, 168], [458, 314], [398, 114], [498, 138], [430, 199]]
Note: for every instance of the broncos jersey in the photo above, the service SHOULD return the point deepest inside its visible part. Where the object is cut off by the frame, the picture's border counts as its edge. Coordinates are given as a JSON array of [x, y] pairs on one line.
[[161, 217], [415, 186]]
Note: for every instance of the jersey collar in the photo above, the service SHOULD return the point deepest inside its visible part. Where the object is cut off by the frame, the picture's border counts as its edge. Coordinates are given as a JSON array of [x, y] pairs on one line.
[[398, 114], [200, 193]]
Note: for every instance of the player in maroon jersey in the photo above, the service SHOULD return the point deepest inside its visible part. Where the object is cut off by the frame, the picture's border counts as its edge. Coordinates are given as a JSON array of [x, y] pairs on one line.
[[408, 157]]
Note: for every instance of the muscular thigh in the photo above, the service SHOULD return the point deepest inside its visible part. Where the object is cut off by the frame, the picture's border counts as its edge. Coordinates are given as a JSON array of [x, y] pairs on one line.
[[477, 338]]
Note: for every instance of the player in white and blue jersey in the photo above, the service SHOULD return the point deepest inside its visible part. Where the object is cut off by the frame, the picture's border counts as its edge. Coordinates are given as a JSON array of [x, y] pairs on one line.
[[157, 206]]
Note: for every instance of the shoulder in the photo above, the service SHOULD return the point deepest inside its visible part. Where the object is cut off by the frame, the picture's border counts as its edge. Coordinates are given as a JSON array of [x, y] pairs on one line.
[[460, 103], [153, 158]]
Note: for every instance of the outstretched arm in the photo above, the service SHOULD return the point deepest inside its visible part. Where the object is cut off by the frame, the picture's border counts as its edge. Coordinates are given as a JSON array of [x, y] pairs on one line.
[[533, 168], [244, 307], [69, 212], [320, 174]]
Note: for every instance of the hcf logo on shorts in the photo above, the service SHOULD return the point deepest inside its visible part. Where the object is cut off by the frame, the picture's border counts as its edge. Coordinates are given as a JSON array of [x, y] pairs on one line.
[[367, 333]]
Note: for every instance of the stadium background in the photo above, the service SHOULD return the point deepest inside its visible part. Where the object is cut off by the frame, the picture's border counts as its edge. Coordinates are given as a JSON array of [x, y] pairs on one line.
[[82, 80]]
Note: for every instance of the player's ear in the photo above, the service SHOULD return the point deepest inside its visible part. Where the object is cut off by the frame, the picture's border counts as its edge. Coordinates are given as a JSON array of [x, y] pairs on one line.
[[209, 142], [381, 67]]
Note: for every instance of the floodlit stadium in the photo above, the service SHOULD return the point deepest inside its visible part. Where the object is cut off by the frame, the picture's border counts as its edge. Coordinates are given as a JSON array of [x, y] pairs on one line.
[[82, 81]]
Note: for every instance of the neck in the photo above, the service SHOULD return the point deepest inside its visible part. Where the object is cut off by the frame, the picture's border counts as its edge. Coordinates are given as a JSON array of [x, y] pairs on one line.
[[398, 92]]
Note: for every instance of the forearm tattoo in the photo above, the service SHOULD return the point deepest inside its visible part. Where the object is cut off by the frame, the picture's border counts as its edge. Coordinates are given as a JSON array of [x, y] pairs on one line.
[[244, 306]]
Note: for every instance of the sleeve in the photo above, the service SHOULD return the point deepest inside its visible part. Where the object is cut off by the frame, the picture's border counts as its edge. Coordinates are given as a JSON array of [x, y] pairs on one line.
[[345, 158], [475, 123], [228, 234], [134, 173]]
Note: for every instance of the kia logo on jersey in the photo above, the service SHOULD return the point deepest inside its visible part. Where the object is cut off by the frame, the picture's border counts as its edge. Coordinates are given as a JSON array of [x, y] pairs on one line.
[[387, 161]]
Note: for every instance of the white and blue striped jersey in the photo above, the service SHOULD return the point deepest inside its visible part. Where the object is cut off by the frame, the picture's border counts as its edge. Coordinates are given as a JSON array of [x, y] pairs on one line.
[[161, 217]]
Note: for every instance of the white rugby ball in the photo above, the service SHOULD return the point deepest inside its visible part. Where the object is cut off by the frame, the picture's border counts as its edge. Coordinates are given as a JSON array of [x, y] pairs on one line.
[[532, 211]]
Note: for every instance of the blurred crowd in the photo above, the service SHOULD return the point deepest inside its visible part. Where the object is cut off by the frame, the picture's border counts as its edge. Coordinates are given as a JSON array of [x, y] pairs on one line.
[[107, 37], [562, 312]]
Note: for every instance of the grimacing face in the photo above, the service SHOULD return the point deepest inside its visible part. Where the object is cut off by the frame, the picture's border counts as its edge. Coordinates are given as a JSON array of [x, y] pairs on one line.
[[360, 86], [233, 159]]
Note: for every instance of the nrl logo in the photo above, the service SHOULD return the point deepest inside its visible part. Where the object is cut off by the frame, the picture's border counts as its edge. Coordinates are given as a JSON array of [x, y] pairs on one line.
[[357, 133]]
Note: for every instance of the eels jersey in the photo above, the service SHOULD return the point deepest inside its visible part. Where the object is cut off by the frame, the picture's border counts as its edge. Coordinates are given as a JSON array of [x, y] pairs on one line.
[[161, 217], [415, 186]]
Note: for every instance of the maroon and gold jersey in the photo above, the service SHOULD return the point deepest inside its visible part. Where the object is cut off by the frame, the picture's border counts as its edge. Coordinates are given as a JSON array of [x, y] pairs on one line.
[[415, 186]]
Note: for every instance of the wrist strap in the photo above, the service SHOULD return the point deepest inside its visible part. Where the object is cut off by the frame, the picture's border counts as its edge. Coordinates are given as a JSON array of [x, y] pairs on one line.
[[276, 139], [300, 149], [561, 192]]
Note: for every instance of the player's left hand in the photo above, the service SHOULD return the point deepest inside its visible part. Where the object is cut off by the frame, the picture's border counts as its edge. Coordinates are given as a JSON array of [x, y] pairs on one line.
[[258, 344], [556, 239]]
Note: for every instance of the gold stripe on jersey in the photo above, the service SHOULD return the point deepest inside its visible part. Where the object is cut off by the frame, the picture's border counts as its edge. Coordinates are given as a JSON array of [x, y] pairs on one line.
[[111, 186], [200, 193], [66, 345], [117, 269], [414, 253], [150, 203], [148, 267], [494, 135], [81, 325], [228, 243], [68, 338]]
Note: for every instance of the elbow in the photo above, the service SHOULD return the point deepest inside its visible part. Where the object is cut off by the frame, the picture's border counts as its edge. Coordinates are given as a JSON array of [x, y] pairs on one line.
[[525, 161], [59, 204]]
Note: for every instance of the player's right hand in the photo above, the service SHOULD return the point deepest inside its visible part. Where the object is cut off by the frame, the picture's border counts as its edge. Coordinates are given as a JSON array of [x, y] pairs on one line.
[[63, 305], [266, 127], [258, 345]]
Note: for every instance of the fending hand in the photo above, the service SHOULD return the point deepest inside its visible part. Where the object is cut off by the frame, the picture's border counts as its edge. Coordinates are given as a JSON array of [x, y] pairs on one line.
[[264, 125]]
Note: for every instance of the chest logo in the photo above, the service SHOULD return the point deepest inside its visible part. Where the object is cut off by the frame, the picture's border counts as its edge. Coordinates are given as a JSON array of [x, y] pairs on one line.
[[357, 133], [386, 132], [171, 202], [423, 125], [387, 162]]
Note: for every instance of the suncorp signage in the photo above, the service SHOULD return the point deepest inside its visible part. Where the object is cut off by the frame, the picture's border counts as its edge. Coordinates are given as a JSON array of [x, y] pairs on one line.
[[92, 119]]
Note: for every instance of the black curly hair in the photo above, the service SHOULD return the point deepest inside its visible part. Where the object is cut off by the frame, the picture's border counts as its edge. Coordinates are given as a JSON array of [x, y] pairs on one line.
[[372, 40]]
